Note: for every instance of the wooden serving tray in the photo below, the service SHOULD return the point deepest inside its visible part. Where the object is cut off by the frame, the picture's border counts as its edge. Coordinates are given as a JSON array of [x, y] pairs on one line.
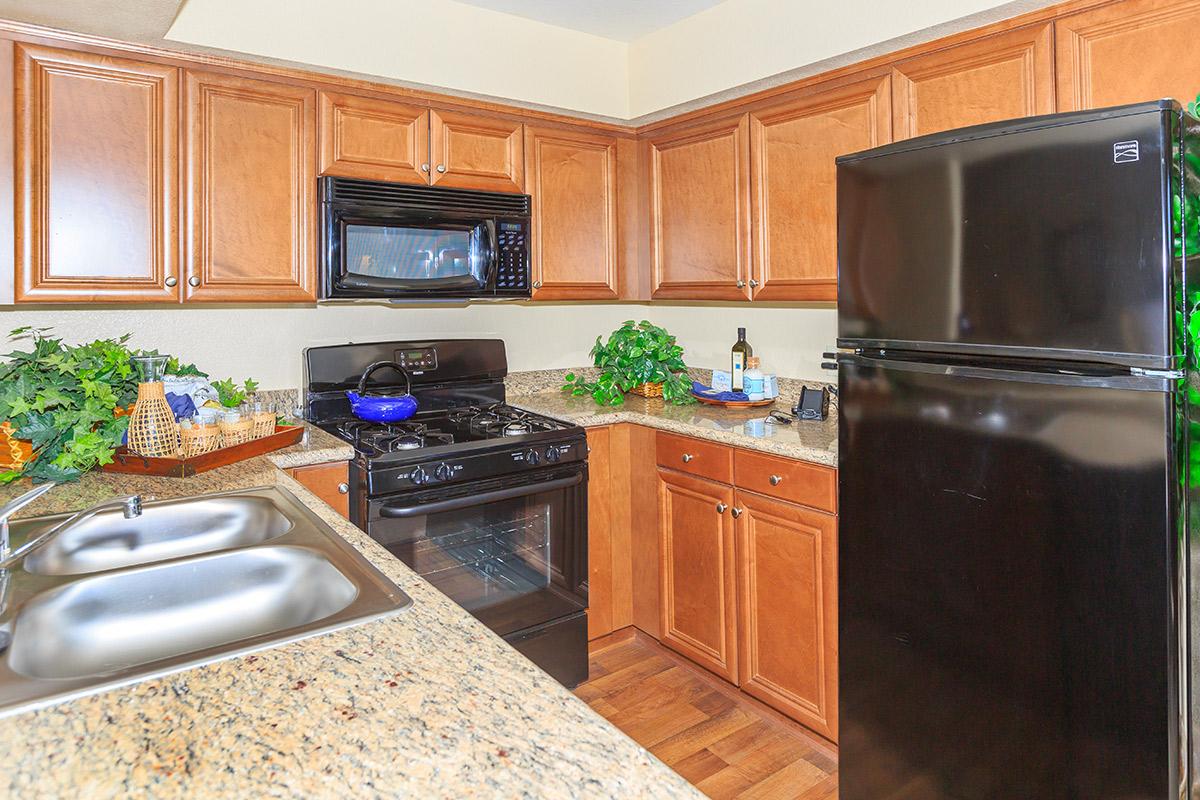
[[127, 462], [734, 403]]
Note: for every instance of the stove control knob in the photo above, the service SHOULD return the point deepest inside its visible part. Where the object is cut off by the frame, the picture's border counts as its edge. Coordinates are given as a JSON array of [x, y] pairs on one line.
[[419, 476], [442, 473], [532, 458], [552, 454]]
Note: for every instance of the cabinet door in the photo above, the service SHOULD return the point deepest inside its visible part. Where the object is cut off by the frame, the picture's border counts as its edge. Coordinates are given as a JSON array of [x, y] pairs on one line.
[[364, 137], [699, 604], [792, 145], [97, 178], [470, 151], [600, 544], [1126, 53], [787, 578], [330, 482], [572, 178], [700, 211], [251, 174], [1003, 76]]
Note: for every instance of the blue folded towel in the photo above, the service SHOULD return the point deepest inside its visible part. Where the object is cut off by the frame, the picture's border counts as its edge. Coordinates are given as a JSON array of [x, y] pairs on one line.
[[709, 393]]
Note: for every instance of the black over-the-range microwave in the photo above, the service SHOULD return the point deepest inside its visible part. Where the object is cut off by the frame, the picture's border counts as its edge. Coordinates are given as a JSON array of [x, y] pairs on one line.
[[392, 241]]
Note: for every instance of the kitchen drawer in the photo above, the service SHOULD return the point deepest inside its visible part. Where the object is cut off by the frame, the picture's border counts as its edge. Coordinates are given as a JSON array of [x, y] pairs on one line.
[[705, 459], [787, 479]]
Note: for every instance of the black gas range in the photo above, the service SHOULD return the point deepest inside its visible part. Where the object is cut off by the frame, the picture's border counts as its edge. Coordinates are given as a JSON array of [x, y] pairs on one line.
[[488, 502]]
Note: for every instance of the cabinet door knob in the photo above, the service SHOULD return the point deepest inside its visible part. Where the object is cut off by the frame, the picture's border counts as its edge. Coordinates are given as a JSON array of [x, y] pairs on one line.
[[343, 488], [753, 283], [441, 167], [687, 457], [740, 284], [537, 284], [171, 280], [721, 508], [737, 512], [424, 168], [193, 281], [775, 480]]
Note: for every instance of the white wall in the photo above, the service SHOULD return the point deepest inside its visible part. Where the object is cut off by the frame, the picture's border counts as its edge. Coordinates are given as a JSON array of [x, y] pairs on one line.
[[265, 343], [435, 42]]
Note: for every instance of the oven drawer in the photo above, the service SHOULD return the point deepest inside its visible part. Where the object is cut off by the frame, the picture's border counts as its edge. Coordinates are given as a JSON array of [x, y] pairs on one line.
[[695, 457]]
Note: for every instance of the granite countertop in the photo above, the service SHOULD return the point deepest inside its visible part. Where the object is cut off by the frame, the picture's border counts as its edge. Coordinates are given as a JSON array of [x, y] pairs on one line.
[[808, 441], [429, 703]]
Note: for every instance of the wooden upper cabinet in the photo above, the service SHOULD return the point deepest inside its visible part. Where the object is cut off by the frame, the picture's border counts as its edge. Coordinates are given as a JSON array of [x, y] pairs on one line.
[[794, 183], [96, 178], [787, 577], [364, 137], [1002, 76], [698, 576], [700, 211], [572, 178], [472, 151], [251, 175], [1126, 53]]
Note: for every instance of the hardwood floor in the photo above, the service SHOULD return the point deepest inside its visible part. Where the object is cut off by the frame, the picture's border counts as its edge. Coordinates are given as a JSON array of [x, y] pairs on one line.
[[726, 744]]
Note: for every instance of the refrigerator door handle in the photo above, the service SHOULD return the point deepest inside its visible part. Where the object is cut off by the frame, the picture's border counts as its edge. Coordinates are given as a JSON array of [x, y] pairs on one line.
[[1135, 379]]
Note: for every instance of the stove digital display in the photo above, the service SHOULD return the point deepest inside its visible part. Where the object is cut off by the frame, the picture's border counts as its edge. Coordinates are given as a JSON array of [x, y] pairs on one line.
[[417, 360]]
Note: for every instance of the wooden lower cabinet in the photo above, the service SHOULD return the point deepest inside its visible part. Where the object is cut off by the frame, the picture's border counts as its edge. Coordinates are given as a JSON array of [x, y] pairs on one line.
[[330, 482], [787, 620], [600, 545], [698, 576]]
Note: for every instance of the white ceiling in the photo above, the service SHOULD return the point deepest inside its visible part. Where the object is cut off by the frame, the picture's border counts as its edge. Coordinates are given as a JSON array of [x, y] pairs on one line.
[[623, 20]]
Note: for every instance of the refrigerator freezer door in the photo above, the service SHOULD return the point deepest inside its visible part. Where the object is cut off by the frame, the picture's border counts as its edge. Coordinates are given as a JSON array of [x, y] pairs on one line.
[[1048, 238], [1005, 588]]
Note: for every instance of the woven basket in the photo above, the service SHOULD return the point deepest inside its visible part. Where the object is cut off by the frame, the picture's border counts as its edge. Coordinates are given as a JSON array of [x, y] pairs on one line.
[[264, 424], [238, 432], [153, 431], [199, 439], [648, 389]]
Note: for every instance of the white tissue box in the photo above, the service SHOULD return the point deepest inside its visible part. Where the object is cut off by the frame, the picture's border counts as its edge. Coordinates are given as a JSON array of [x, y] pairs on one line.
[[722, 380]]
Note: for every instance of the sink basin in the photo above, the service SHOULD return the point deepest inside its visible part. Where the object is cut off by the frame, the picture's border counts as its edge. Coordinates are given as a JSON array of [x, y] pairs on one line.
[[97, 626], [190, 582], [163, 531]]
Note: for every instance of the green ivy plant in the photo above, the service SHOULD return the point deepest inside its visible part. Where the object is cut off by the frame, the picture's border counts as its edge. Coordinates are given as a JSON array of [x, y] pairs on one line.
[[62, 399], [635, 353], [232, 395], [176, 367]]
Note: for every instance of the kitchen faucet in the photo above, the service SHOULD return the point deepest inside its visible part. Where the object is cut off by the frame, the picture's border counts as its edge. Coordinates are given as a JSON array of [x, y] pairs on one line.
[[130, 505]]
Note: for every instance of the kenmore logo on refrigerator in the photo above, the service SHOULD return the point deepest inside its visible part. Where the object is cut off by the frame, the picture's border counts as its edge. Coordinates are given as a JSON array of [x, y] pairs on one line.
[[1125, 152]]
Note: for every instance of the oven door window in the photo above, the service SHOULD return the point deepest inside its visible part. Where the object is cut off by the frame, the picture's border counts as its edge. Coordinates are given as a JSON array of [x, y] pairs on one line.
[[512, 563], [415, 257]]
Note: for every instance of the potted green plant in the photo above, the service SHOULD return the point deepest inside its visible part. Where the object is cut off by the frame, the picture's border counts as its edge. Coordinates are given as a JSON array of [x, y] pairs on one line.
[[232, 395], [638, 357]]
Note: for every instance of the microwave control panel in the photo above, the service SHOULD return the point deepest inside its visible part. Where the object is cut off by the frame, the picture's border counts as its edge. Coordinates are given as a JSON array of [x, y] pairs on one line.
[[512, 272]]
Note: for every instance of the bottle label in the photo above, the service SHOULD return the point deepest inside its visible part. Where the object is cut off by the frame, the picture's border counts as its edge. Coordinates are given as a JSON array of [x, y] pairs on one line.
[[739, 367]]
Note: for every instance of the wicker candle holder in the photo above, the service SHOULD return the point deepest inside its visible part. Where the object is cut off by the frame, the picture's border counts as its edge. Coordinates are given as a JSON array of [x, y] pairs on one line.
[[197, 439], [239, 431], [153, 431], [264, 419], [648, 389]]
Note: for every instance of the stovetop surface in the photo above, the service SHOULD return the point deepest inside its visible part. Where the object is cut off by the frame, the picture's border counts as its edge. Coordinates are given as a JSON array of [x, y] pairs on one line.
[[445, 430]]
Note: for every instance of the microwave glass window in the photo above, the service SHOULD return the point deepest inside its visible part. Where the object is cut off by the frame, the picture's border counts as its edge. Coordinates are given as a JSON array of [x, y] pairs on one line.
[[413, 254]]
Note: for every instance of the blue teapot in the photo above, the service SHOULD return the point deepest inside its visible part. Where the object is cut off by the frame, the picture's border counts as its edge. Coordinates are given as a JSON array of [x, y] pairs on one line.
[[382, 408]]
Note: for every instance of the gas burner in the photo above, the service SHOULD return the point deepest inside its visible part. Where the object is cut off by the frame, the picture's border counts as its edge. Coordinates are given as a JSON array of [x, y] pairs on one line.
[[517, 428], [409, 441]]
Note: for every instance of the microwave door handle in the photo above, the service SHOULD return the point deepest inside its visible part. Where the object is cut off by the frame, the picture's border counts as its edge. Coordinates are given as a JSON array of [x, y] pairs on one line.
[[493, 260], [454, 504]]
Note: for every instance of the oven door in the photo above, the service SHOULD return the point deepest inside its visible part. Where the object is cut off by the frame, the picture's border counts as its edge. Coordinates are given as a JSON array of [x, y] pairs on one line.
[[512, 551], [399, 255]]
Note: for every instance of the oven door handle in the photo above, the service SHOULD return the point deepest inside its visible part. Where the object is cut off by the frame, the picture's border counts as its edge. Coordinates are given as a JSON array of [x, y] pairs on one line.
[[454, 504]]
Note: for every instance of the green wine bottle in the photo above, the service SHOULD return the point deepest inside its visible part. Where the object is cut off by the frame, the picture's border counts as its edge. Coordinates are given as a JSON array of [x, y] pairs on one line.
[[739, 353]]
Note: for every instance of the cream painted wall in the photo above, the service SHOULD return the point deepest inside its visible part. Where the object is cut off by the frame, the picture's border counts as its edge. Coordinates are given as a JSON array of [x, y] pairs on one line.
[[438, 43], [265, 343], [740, 41]]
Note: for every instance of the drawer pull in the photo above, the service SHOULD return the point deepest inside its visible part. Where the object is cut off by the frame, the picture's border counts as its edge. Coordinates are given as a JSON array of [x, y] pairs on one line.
[[775, 480], [721, 508], [687, 457], [737, 512], [343, 488]]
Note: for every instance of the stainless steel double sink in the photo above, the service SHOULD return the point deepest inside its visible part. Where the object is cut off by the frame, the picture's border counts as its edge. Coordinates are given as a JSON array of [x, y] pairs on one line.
[[112, 600]]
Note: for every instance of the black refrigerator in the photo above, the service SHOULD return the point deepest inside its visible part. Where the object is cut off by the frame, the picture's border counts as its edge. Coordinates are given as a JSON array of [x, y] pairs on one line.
[[1015, 371]]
